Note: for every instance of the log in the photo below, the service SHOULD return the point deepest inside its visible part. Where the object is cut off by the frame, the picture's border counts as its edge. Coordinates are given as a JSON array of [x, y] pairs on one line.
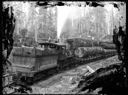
[[79, 42], [106, 45], [84, 52]]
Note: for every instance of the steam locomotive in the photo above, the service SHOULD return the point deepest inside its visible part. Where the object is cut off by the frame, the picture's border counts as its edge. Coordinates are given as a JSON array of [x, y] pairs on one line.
[[28, 62]]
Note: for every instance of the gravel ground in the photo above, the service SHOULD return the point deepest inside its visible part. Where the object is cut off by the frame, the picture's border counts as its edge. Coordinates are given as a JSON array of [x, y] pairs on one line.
[[63, 83]]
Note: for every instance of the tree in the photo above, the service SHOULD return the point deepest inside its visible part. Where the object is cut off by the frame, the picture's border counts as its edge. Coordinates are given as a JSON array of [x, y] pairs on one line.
[[23, 32]]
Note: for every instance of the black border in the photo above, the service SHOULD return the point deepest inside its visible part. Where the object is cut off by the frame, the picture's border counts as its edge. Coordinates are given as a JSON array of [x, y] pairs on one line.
[[58, 1]]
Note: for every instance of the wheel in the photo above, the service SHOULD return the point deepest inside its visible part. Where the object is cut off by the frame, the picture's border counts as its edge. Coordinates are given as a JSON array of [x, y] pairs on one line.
[[58, 68], [23, 79], [29, 80]]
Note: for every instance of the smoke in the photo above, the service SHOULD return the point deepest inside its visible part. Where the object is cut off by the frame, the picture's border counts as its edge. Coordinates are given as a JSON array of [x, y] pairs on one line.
[[68, 12], [62, 14]]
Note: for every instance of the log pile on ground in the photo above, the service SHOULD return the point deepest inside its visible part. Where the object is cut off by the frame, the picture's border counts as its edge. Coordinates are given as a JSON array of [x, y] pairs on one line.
[[107, 78]]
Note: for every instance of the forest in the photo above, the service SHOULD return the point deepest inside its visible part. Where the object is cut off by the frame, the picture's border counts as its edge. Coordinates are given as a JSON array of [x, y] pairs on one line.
[[65, 22]]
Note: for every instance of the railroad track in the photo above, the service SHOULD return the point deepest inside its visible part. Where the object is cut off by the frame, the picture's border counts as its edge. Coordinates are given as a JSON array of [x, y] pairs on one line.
[[67, 64], [43, 75], [64, 65], [54, 80], [72, 62], [80, 61]]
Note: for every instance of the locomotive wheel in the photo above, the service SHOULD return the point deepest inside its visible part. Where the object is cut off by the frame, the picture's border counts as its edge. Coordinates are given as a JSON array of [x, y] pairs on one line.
[[58, 68], [23, 79], [29, 80]]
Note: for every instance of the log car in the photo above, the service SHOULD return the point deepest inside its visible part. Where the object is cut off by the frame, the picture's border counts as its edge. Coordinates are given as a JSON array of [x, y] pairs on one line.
[[85, 52]]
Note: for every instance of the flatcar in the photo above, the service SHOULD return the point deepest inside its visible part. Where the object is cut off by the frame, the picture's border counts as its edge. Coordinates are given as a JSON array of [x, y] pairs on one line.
[[85, 52]]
